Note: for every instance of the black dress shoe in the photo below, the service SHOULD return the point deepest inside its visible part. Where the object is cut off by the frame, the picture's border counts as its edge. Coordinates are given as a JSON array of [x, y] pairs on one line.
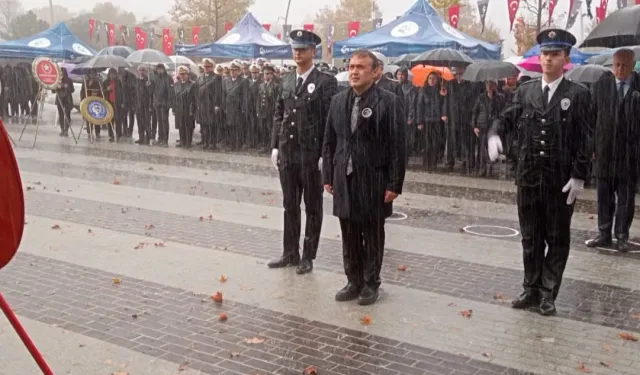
[[526, 300], [283, 262], [547, 307], [599, 241], [305, 266], [368, 296], [623, 245], [348, 293]]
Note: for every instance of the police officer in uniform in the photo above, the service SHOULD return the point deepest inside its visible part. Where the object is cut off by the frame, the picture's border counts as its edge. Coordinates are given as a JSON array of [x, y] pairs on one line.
[[210, 101], [296, 143], [269, 90], [554, 129]]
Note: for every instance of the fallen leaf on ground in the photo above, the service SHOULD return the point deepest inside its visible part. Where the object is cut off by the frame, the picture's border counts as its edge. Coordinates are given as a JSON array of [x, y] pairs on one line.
[[607, 348], [590, 217], [159, 244], [627, 336], [311, 370], [232, 190], [233, 354], [55, 227], [124, 210], [222, 317], [116, 280], [466, 313], [201, 218], [149, 226], [581, 367], [223, 278], [452, 305], [499, 296], [402, 268], [266, 193], [210, 217], [81, 345], [263, 216], [635, 316], [254, 340], [139, 246], [605, 364], [116, 181], [89, 231], [217, 298], [487, 354], [366, 320]]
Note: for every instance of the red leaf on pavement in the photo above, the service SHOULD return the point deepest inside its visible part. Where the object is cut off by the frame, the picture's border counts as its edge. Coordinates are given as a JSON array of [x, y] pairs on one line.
[[210, 217], [217, 298], [116, 181], [223, 278], [366, 320], [452, 305], [402, 268], [581, 367], [466, 313], [590, 217], [149, 226], [499, 296], [222, 317], [627, 336], [311, 370], [263, 216], [159, 244], [201, 218], [55, 227], [605, 364], [487, 354], [139, 246], [635, 316]]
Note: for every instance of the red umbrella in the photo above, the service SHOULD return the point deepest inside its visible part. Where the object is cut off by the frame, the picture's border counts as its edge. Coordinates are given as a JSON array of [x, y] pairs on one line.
[[532, 64]]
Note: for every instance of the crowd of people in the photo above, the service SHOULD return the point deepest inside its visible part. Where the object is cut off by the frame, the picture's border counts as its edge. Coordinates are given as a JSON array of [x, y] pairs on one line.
[[18, 97]]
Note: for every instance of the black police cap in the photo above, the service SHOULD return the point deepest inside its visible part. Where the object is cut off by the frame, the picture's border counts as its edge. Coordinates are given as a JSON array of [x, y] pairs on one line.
[[555, 40], [304, 39]]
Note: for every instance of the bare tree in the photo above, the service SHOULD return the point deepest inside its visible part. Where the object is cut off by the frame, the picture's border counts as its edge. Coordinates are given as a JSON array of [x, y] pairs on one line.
[[9, 10]]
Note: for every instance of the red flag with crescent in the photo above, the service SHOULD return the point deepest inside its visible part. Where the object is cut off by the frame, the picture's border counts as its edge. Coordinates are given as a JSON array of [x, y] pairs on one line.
[[267, 26], [308, 27], [111, 31], [552, 6], [599, 14], [454, 13], [513, 9], [279, 35], [166, 41], [92, 26], [353, 27], [228, 26], [195, 34], [141, 37]]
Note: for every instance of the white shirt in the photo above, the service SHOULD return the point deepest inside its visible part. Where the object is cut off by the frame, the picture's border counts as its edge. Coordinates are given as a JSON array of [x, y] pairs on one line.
[[305, 74], [553, 86], [627, 85]]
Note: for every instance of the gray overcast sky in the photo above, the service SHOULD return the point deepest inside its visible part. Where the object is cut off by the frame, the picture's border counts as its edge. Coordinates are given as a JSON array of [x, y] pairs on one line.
[[270, 10]]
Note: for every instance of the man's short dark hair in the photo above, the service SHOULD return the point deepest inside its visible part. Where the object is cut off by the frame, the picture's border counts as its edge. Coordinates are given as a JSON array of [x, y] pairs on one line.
[[366, 53]]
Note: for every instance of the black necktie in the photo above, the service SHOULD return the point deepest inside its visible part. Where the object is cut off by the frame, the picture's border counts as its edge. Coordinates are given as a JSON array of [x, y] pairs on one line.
[[299, 84], [621, 92], [545, 97]]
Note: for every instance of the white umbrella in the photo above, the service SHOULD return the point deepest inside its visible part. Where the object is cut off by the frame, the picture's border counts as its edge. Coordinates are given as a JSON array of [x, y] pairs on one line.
[[183, 60]]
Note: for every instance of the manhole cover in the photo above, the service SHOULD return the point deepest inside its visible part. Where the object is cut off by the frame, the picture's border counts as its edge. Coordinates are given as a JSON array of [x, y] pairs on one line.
[[491, 231], [397, 216]]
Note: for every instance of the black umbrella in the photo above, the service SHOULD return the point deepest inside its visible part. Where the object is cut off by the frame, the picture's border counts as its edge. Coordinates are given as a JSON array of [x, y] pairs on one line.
[[405, 59], [442, 57], [122, 51], [588, 73], [621, 28], [100, 63], [489, 71], [606, 58]]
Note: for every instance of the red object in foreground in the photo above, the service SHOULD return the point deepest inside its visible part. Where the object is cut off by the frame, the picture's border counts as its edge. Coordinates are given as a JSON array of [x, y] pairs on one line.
[[11, 228]]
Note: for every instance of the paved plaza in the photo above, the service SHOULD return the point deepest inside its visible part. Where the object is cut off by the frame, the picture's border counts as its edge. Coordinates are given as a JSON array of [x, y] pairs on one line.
[[125, 246]]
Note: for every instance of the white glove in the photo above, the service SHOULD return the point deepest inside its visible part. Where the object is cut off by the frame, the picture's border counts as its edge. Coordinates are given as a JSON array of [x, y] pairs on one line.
[[320, 164], [274, 158], [575, 187], [494, 146]]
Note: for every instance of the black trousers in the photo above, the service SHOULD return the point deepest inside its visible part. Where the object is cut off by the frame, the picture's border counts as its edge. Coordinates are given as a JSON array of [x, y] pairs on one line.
[[362, 251], [263, 133], [209, 135], [162, 113], [144, 126], [117, 121], [185, 125], [625, 190], [64, 114], [433, 137], [154, 125], [545, 220], [301, 182]]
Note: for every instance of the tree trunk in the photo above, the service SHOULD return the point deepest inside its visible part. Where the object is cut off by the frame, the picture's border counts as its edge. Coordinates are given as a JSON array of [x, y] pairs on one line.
[[539, 17]]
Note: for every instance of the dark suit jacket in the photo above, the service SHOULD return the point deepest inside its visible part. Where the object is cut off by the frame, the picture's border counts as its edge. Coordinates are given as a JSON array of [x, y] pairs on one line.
[[617, 128], [555, 142], [377, 150], [300, 117]]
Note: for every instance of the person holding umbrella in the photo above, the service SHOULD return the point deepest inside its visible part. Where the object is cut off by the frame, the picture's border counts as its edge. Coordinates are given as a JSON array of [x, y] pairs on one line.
[[554, 122]]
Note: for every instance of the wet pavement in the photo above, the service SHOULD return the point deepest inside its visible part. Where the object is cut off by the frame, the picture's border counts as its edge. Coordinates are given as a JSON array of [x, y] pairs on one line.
[[125, 245]]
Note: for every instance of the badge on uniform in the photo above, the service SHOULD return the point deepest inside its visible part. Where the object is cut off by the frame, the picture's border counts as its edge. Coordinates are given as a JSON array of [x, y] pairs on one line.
[[636, 94], [367, 112], [311, 88], [565, 103], [299, 33]]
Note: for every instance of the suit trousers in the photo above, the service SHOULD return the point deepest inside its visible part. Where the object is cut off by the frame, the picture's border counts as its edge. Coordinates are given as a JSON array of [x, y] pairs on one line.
[[301, 182], [625, 190], [64, 114], [209, 134], [162, 113], [185, 125], [143, 117], [362, 251], [545, 220], [117, 121]]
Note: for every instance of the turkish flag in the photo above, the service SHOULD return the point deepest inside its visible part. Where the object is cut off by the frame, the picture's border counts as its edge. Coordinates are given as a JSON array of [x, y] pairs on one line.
[[552, 6], [167, 44], [513, 9], [353, 27], [637, 2], [267, 26], [195, 34], [92, 26], [111, 30], [141, 38], [228, 26], [279, 36], [308, 27], [454, 12], [599, 14]]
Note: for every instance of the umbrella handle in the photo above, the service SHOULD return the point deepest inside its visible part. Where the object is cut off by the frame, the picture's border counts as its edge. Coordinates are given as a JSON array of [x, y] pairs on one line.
[[24, 337]]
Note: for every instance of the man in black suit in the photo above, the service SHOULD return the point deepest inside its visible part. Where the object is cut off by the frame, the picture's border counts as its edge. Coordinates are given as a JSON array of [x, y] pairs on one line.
[[383, 81], [616, 101], [554, 130], [296, 142], [364, 167]]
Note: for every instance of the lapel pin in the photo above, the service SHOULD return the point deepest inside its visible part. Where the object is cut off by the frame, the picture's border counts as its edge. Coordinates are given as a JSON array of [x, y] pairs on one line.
[[367, 112], [565, 103], [311, 88]]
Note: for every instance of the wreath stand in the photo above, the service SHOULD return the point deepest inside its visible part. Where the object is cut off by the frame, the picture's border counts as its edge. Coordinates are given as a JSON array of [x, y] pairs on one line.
[[91, 126], [40, 99]]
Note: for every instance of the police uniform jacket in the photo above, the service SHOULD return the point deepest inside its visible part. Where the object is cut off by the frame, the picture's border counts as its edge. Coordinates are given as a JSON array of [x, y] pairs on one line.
[[376, 149], [266, 101], [185, 98], [210, 94], [554, 143], [300, 116]]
